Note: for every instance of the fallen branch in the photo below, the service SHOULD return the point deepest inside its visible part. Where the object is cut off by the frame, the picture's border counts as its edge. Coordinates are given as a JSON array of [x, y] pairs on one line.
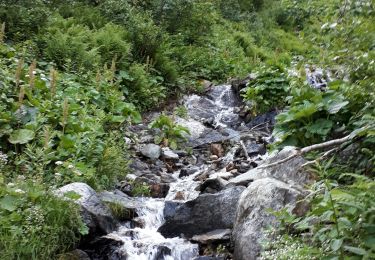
[[245, 151], [309, 149]]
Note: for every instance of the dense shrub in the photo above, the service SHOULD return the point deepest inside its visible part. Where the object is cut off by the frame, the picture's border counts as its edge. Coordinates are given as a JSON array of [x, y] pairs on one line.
[[35, 224], [23, 18]]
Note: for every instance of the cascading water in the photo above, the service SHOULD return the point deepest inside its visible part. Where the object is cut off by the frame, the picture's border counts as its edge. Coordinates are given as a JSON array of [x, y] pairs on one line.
[[145, 242], [219, 105]]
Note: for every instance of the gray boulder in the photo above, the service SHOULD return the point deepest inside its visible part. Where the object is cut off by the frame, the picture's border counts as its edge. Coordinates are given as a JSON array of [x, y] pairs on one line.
[[253, 214], [203, 214], [128, 204], [151, 151], [95, 214]]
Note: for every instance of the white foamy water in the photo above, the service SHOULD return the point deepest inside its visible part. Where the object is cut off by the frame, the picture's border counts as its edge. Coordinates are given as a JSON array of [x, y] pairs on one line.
[[147, 243]]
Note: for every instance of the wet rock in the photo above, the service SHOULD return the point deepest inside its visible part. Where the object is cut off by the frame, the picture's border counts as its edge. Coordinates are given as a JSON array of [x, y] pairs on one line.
[[244, 167], [162, 251], [138, 165], [210, 136], [218, 235], [106, 248], [179, 195], [167, 178], [159, 190], [253, 214], [213, 185], [188, 171], [151, 151], [168, 154], [128, 204], [95, 214], [264, 121], [148, 179], [217, 149], [203, 214], [76, 255], [254, 148], [290, 171]]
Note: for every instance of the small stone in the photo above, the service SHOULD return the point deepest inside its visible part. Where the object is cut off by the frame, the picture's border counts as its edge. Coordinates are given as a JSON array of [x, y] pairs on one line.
[[214, 157], [179, 196], [168, 154], [151, 151], [217, 149], [234, 171]]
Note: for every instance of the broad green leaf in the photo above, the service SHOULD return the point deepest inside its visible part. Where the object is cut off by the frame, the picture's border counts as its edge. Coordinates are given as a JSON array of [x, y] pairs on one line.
[[8, 203], [335, 106], [355, 250], [321, 127], [336, 244], [21, 136]]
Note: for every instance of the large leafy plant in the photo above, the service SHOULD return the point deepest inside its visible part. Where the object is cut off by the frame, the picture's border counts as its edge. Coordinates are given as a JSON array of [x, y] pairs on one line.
[[311, 116], [267, 91]]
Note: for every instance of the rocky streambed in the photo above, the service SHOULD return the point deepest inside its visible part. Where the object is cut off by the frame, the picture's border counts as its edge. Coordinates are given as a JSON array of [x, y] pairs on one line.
[[210, 201]]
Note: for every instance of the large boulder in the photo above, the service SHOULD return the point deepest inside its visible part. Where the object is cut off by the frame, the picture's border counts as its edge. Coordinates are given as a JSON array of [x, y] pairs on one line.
[[203, 214], [96, 215], [253, 214], [273, 185]]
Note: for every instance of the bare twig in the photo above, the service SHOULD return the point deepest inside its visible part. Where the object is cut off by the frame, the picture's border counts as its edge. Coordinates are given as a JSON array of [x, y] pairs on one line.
[[320, 158], [309, 149], [245, 151]]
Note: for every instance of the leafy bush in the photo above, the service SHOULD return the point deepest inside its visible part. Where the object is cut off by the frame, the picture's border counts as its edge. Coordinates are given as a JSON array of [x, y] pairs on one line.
[[170, 133], [267, 91], [311, 117], [35, 224], [74, 46], [23, 16], [143, 87]]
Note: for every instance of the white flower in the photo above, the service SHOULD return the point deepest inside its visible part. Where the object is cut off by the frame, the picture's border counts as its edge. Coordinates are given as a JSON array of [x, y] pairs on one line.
[[57, 174], [59, 163], [10, 184], [78, 172], [19, 191], [70, 166]]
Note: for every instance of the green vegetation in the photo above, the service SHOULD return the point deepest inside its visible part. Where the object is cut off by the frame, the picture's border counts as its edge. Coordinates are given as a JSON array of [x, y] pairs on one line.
[[86, 69], [170, 134], [35, 224]]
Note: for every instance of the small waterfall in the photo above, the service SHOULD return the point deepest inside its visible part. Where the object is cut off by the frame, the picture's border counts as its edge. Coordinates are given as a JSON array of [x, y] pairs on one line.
[[147, 243], [219, 105]]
